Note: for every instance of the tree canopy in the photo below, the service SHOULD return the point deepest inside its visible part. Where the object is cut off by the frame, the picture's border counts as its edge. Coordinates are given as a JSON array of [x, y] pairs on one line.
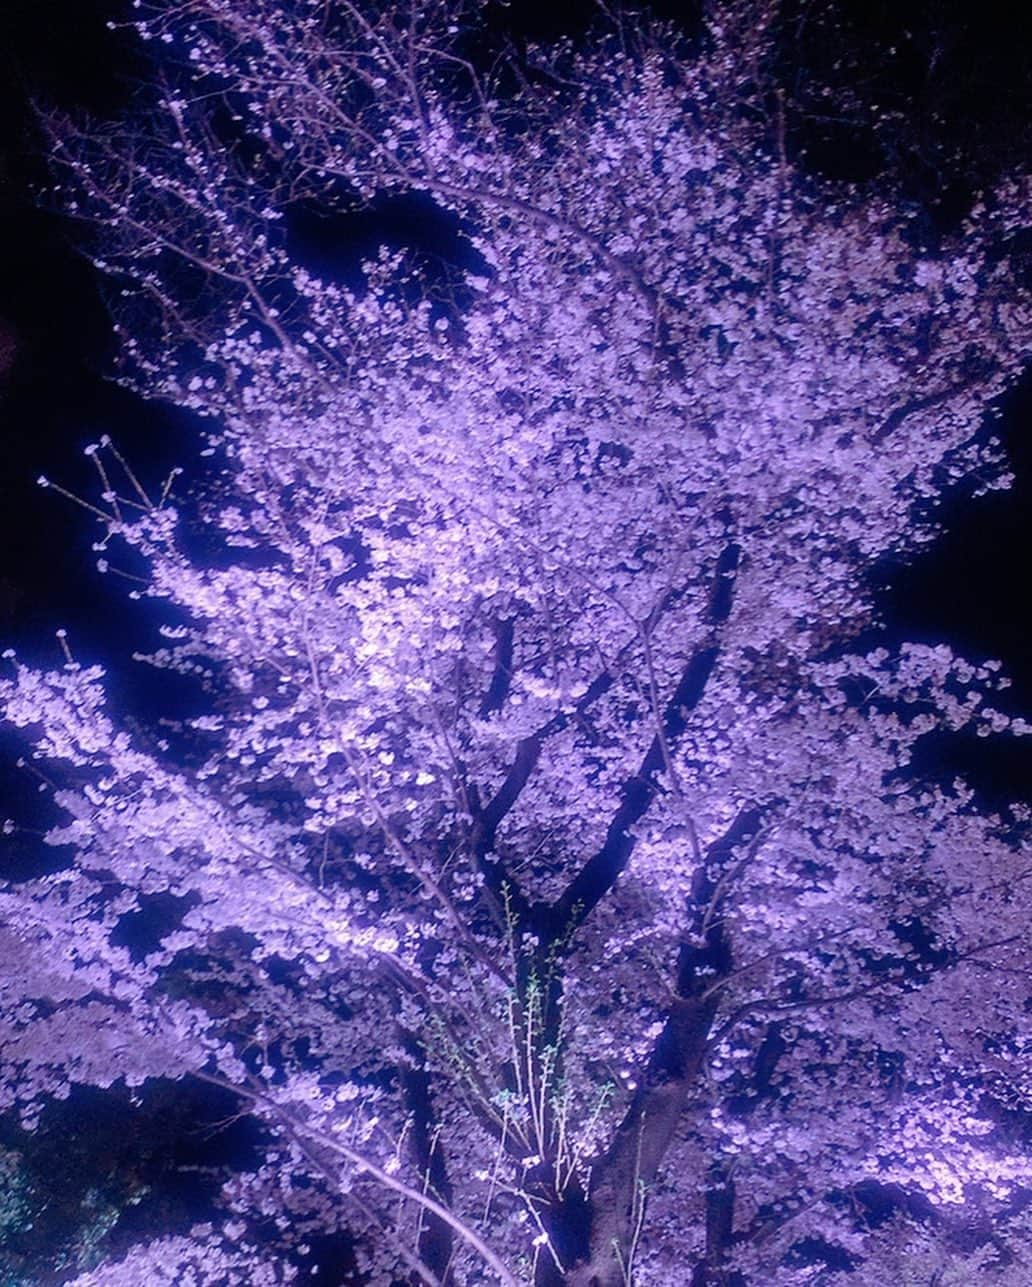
[[545, 872]]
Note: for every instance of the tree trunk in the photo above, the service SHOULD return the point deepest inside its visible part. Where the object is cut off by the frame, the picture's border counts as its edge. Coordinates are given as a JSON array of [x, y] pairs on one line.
[[621, 1180]]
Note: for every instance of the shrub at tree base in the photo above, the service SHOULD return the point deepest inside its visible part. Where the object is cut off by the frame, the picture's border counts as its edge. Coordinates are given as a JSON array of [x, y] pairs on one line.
[[545, 873]]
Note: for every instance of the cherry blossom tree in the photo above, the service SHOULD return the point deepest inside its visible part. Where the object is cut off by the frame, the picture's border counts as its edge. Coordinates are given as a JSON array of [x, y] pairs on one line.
[[547, 874]]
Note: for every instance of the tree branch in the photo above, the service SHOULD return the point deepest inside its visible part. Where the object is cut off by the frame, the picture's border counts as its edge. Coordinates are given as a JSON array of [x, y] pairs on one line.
[[297, 1128], [436, 1238], [631, 1162], [598, 875], [494, 698]]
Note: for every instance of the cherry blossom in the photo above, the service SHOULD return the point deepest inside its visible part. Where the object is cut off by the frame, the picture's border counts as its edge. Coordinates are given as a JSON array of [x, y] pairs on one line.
[[551, 880]]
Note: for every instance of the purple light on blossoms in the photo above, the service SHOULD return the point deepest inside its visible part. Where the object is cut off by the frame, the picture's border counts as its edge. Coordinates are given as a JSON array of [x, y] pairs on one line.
[[540, 868]]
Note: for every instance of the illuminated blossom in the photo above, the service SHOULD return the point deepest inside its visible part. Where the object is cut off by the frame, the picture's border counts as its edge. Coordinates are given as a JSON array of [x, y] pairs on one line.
[[549, 879]]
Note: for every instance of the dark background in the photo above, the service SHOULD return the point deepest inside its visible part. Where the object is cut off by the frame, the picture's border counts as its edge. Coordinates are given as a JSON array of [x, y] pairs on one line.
[[954, 80]]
